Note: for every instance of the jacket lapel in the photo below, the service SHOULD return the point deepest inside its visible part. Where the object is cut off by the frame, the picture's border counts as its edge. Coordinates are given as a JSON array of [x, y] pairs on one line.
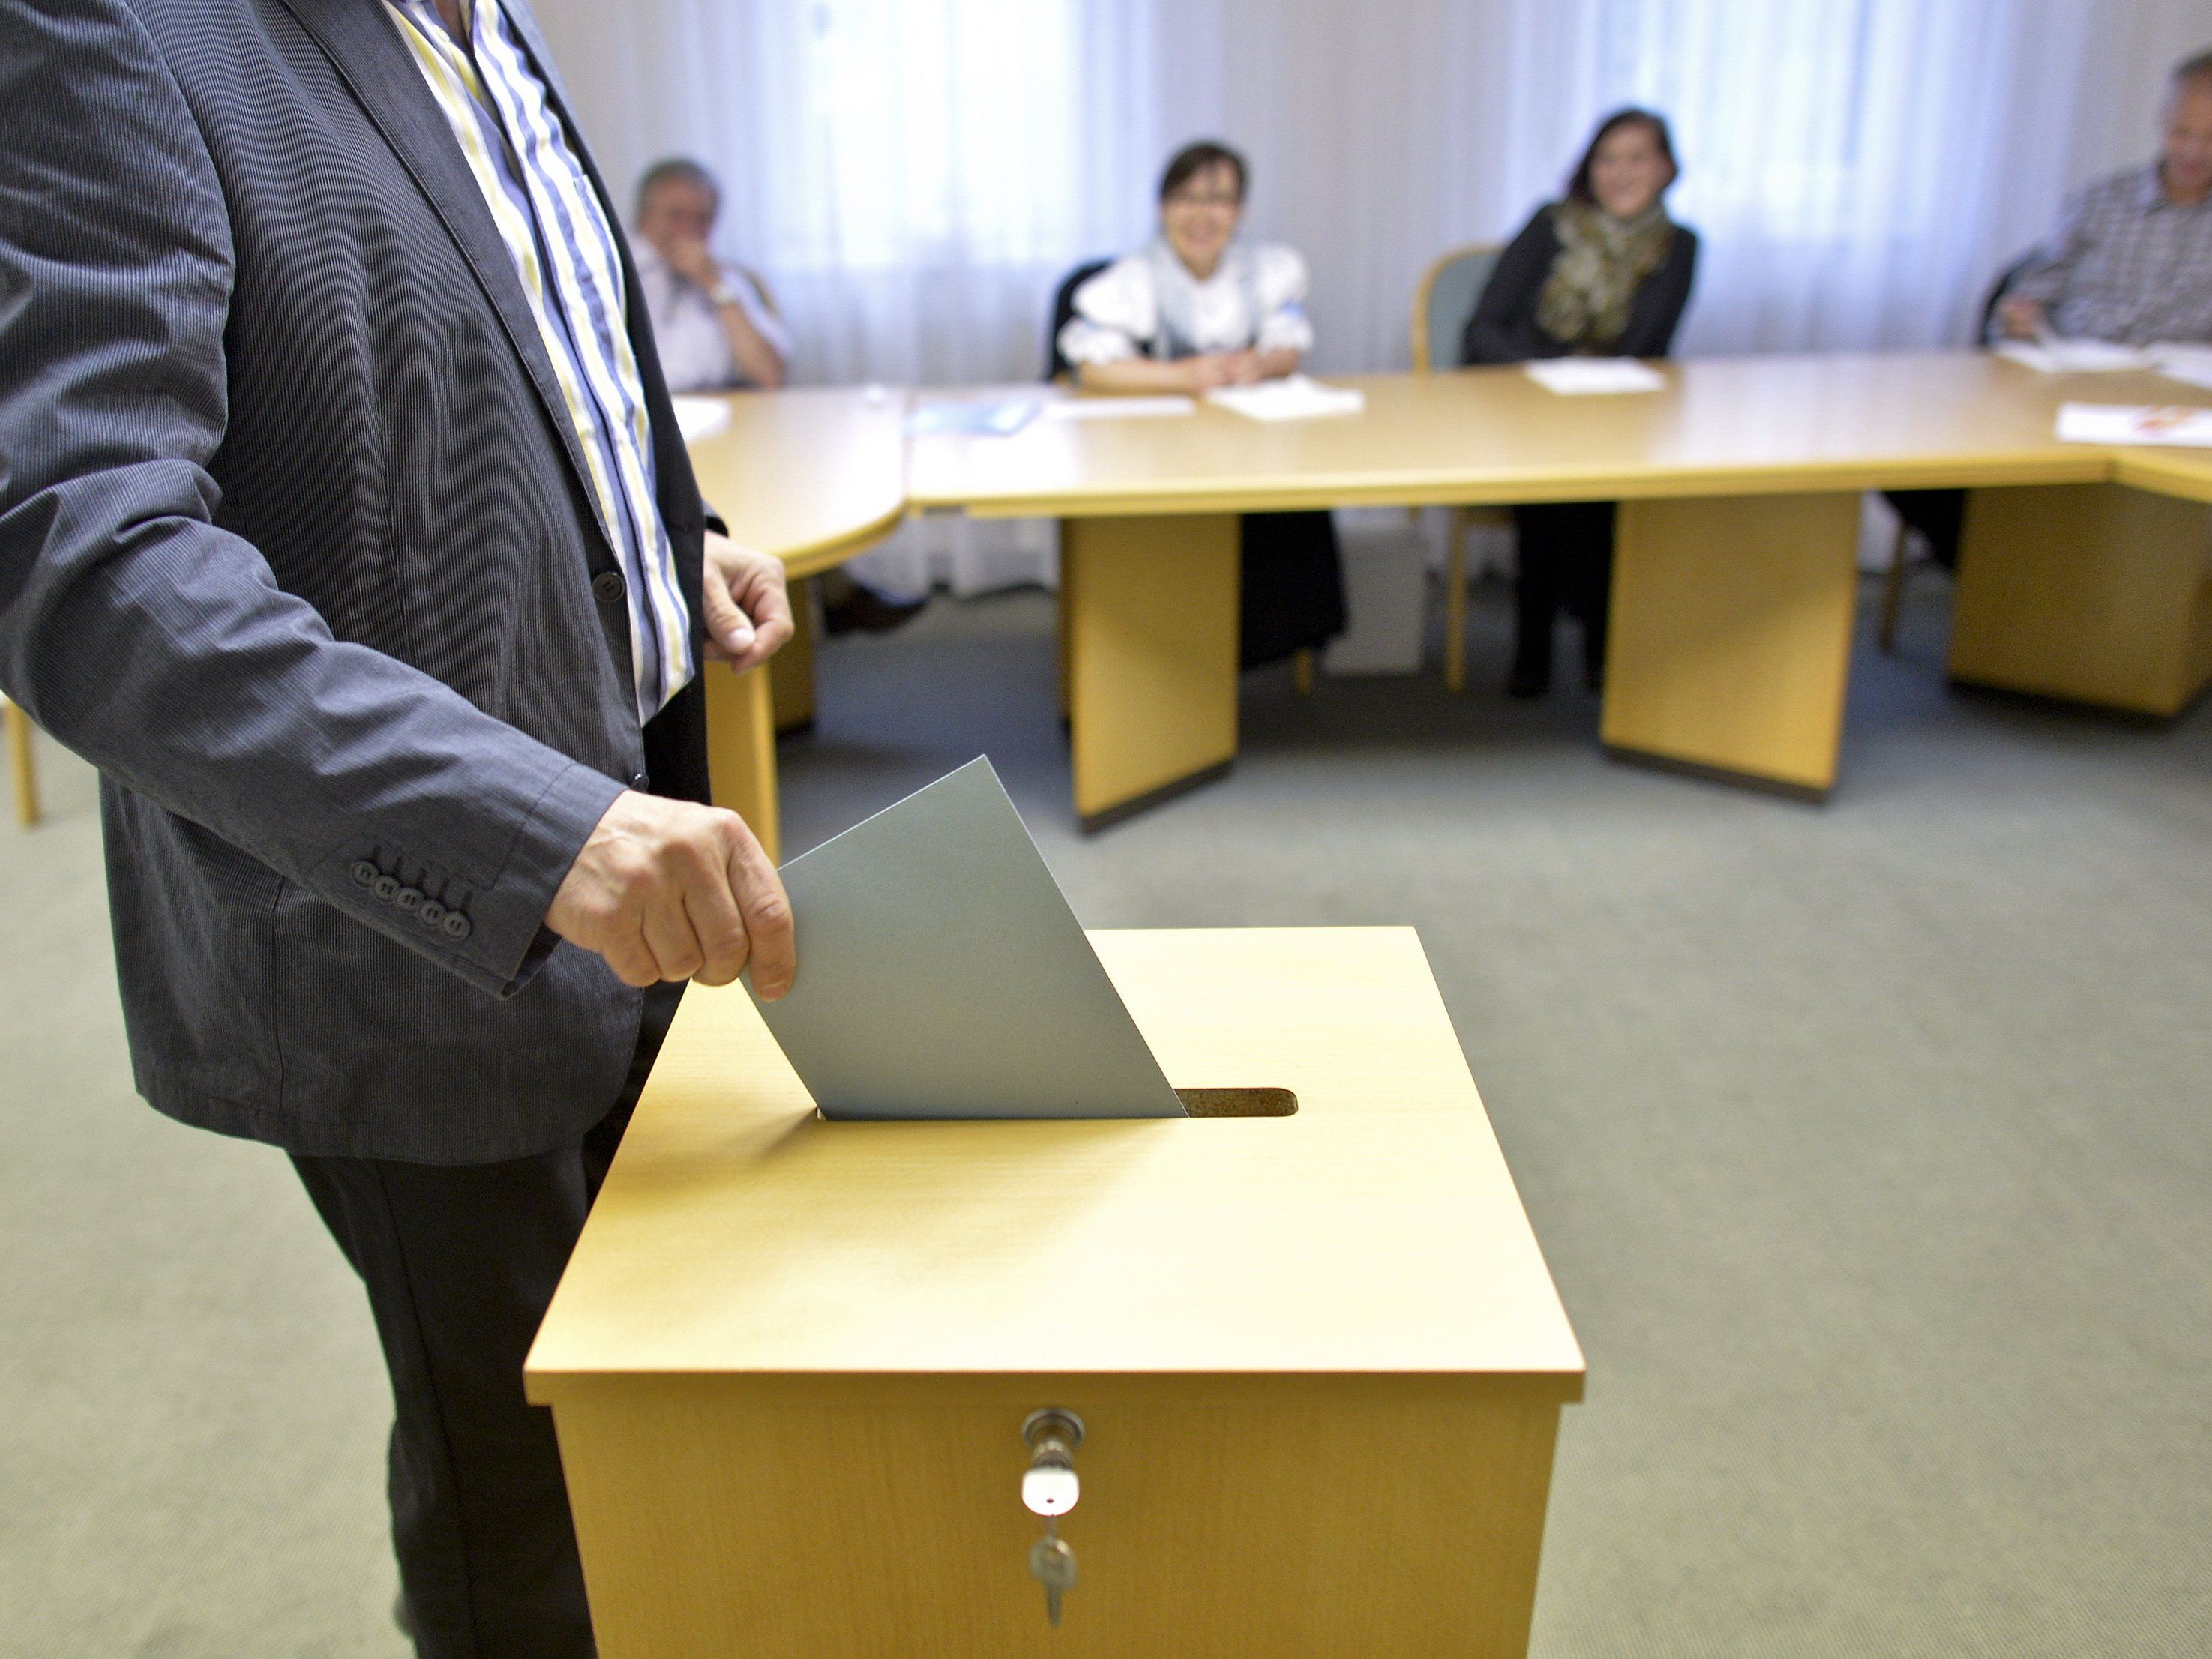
[[362, 45]]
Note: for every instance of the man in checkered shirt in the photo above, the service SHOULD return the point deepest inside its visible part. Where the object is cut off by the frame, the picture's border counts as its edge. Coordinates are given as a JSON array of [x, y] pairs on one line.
[[2132, 259]]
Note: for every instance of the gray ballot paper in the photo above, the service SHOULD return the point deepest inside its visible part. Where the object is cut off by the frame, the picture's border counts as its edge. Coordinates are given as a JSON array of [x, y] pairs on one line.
[[941, 973]]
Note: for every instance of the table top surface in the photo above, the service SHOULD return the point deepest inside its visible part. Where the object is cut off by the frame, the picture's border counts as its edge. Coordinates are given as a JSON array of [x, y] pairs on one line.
[[1377, 1230], [813, 475], [1722, 426]]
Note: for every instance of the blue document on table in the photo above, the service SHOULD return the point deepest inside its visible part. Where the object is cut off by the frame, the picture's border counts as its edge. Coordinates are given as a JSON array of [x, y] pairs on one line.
[[942, 975]]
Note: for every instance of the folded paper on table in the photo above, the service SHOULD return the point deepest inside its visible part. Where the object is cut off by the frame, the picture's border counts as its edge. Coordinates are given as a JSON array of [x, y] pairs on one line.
[[700, 417], [941, 973], [1294, 397], [1120, 408], [2183, 361], [994, 418], [1595, 377], [2059, 356], [2188, 426]]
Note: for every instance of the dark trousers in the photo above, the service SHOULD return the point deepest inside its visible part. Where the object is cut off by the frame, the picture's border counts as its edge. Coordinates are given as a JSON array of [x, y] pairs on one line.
[[1937, 514], [460, 1264], [1291, 592], [1565, 563]]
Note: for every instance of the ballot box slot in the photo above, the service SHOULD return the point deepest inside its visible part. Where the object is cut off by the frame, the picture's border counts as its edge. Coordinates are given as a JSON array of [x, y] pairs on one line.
[[1238, 1102]]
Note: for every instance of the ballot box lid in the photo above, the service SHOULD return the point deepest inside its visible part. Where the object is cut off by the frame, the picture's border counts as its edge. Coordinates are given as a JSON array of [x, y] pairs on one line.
[[1374, 1229]]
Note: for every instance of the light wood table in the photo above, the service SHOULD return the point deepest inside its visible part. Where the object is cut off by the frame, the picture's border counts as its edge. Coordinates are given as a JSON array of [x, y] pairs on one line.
[[1318, 1358], [813, 476], [1734, 587], [22, 765]]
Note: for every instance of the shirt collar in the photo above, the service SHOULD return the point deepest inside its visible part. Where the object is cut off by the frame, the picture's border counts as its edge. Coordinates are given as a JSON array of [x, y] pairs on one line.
[[2151, 197]]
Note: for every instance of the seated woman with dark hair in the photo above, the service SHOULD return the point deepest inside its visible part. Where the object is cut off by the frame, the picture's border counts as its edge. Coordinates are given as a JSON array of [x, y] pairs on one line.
[[1603, 273], [1198, 309]]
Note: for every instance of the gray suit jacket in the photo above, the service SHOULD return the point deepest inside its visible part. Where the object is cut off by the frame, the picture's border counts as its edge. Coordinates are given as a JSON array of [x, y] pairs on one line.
[[295, 546]]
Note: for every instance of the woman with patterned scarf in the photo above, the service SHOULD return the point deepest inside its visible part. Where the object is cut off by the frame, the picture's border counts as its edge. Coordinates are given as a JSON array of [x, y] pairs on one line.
[[1604, 273]]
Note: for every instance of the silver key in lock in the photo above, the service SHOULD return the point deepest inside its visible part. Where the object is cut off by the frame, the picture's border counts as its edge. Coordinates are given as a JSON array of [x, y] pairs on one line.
[[1053, 1565]]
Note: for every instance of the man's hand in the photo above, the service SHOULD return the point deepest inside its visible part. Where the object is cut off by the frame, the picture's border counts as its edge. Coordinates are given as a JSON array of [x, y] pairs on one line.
[[2022, 319], [665, 889], [748, 611], [692, 260]]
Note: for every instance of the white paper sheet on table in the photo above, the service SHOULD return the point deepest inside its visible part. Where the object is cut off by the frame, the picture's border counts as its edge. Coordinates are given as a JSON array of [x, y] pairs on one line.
[[2186, 362], [2058, 356], [941, 973], [1294, 398], [700, 417], [996, 417], [2186, 426], [1595, 377], [1121, 408]]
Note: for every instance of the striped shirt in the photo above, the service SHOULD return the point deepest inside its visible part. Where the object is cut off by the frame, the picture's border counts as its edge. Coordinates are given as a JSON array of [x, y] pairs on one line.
[[564, 252], [2128, 264]]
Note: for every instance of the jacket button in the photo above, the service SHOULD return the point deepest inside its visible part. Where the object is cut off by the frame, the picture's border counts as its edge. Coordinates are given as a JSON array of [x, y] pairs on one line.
[[431, 914], [638, 780], [364, 872], [408, 897], [385, 888], [608, 587], [455, 926]]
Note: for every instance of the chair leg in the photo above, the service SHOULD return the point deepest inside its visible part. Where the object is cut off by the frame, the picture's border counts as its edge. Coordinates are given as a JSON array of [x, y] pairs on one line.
[[1892, 592], [1302, 672], [1455, 602], [20, 764]]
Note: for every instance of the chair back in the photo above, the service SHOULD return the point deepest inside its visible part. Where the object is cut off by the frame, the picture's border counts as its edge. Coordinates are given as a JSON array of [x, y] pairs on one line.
[[1063, 309], [2012, 274], [1446, 300]]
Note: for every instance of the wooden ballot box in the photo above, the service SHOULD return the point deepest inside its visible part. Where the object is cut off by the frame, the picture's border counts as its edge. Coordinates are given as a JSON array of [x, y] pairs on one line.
[[1316, 1356]]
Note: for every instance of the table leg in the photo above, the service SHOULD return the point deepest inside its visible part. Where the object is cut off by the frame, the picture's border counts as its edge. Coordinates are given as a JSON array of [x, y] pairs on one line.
[[2094, 592], [1151, 621], [1731, 637], [21, 765], [791, 671], [741, 750]]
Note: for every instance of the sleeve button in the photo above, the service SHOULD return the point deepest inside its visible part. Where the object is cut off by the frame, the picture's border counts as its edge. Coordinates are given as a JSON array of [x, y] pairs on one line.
[[385, 887], [431, 914], [455, 926], [364, 872], [408, 897]]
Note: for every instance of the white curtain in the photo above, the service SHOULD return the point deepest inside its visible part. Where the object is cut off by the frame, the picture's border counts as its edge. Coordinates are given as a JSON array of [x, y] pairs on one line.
[[914, 176]]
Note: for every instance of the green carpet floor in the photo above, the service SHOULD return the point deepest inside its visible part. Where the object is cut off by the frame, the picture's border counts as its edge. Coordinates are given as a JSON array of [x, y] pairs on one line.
[[1871, 1145]]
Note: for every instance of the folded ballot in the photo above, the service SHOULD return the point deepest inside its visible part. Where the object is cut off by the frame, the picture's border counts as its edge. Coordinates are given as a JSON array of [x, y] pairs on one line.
[[2182, 425], [699, 417], [1595, 377], [941, 973], [1294, 397]]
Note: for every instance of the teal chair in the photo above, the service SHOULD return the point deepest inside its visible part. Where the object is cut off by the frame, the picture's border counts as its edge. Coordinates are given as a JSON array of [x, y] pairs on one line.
[[1445, 301]]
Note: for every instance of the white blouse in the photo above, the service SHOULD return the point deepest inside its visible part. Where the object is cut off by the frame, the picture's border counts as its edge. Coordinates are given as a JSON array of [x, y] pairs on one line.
[[695, 352], [1148, 304]]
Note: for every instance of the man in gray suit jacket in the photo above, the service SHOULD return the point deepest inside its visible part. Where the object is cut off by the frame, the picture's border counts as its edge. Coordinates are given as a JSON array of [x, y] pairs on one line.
[[345, 525]]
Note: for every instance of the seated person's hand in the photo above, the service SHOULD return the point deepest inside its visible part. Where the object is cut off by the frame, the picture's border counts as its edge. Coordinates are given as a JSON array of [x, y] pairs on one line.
[[668, 889], [748, 608], [690, 260], [1244, 368], [2020, 319], [1206, 373]]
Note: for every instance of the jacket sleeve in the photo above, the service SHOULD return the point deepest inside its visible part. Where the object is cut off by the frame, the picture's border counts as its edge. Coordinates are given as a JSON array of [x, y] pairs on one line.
[[158, 644], [1657, 310], [1502, 327]]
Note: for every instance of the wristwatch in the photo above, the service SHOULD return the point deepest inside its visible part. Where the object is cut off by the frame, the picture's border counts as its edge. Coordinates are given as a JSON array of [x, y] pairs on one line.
[[722, 294]]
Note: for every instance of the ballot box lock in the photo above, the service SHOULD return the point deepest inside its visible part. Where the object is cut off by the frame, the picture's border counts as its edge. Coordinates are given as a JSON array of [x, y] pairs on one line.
[[1049, 1489]]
